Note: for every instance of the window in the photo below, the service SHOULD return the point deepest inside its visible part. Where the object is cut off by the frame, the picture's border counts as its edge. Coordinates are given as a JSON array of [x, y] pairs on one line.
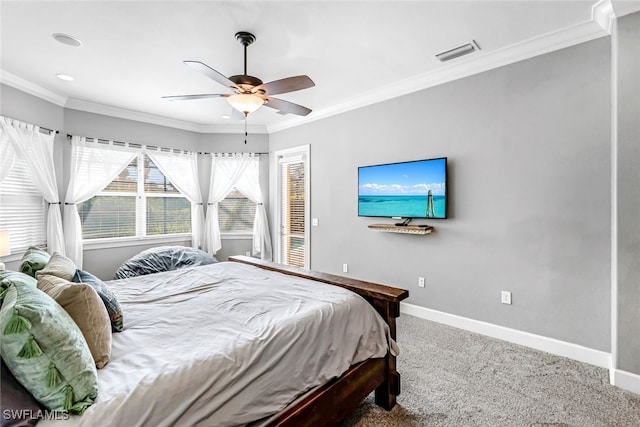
[[22, 209], [292, 177], [236, 213], [140, 202]]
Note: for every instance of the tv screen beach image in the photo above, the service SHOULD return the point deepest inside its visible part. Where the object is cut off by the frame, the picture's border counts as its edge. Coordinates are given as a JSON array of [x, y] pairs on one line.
[[410, 190]]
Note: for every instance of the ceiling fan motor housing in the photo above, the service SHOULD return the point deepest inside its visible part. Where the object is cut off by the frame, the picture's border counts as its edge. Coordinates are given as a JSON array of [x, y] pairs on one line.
[[242, 79]]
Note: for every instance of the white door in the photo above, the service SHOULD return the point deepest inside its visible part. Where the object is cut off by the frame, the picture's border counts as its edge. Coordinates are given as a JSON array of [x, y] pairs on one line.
[[292, 166]]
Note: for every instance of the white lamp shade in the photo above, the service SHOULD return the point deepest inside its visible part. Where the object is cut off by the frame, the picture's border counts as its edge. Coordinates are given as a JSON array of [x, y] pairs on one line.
[[5, 248], [245, 103]]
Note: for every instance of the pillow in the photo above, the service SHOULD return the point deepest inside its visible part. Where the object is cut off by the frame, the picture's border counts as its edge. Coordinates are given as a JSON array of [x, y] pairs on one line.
[[162, 258], [45, 350], [59, 265], [34, 259], [18, 406], [106, 295], [7, 277], [85, 307]]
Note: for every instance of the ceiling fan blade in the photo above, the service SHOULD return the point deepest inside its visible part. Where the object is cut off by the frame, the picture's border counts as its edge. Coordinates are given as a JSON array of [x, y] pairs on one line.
[[211, 73], [286, 107], [290, 84], [189, 97]]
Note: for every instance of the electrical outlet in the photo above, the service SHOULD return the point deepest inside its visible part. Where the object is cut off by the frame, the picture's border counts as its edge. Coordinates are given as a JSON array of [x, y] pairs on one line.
[[315, 222], [345, 268], [247, 253], [421, 282], [506, 297]]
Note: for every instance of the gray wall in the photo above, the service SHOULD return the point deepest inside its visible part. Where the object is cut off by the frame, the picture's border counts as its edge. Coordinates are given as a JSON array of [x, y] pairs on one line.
[[628, 194], [529, 194], [104, 261]]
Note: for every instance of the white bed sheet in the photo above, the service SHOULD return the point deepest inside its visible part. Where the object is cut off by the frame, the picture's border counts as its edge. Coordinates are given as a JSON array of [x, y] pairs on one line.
[[226, 344]]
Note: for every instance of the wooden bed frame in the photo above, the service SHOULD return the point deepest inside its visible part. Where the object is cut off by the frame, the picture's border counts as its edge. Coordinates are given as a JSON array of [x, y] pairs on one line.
[[332, 402]]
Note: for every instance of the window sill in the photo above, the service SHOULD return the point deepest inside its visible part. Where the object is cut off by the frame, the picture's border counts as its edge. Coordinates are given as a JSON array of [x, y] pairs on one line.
[[151, 240], [134, 241], [14, 257], [236, 236]]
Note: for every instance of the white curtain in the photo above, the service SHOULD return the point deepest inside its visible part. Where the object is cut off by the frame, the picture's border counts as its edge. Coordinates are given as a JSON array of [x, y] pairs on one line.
[[93, 166], [7, 154], [249, 184], [36, 148], [226, 170], [182, 170]]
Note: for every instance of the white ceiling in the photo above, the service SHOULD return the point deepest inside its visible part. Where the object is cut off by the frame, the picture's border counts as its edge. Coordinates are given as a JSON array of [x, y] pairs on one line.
[[357, 52]]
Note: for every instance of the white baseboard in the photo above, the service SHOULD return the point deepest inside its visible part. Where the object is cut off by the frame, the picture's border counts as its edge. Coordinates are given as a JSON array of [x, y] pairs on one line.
[[626, 380], [538, 342]]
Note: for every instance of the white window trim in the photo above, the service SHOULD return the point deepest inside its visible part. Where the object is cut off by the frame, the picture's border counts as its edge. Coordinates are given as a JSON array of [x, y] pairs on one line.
[[236, 236], [304, 151]]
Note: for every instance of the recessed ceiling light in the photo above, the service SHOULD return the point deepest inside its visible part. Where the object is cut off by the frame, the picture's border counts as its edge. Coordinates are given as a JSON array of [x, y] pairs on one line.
[[67, 39], [65, 77], [225, 116]]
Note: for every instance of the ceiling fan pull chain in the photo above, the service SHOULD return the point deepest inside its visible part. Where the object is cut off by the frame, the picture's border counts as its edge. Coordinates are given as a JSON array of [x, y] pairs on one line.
[[245, 129]]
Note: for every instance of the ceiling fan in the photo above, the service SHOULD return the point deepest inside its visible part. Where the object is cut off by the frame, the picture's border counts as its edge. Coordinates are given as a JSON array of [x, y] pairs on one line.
[[250, 93]]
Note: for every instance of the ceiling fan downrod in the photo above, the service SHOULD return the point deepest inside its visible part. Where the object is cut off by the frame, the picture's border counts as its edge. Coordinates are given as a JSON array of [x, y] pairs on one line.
[[245, 40]]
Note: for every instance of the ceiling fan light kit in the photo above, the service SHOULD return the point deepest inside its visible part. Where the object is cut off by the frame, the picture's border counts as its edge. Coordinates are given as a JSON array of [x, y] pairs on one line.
[[245, 103], [250, 93]]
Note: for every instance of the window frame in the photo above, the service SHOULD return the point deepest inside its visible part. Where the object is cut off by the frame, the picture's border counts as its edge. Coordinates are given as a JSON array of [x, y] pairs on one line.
[[301, 153], [141, 236]]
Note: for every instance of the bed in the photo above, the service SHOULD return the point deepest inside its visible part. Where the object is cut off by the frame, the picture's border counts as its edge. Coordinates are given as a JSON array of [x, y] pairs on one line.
[[200, 348]]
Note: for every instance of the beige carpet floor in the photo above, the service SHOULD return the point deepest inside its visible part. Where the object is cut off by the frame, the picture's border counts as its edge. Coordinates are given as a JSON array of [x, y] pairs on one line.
[[452, 377]]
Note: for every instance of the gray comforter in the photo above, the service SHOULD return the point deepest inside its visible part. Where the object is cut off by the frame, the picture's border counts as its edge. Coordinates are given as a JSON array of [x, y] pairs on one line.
[[226, 344]]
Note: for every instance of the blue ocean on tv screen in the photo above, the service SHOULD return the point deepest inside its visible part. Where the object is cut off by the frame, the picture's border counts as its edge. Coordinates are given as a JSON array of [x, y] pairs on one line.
[[416, 189], [401, 206]]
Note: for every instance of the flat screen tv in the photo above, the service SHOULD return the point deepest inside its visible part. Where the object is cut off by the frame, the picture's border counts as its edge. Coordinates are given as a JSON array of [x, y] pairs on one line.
[[416, 189]]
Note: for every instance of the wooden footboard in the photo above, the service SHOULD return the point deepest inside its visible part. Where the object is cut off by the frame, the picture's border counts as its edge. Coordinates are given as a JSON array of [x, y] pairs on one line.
[[332, 402]]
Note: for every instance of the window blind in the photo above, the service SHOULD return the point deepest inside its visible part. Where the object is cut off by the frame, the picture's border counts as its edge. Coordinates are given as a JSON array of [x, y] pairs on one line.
[[236, 213], [292, 208], [22, 209]]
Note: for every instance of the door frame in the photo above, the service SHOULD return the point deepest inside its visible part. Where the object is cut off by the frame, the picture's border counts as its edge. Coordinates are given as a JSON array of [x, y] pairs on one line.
[[303, 151]]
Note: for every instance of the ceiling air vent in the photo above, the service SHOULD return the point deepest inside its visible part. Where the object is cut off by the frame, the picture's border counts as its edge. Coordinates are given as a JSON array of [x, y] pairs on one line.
[[458, 51]]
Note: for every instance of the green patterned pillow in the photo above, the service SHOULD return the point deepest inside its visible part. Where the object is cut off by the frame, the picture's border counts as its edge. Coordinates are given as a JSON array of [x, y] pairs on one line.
[[44, 349], [8, 277], [34, 259]]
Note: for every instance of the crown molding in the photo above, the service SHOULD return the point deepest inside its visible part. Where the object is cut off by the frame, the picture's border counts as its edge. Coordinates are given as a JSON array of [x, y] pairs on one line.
[[30, 88], [602, 13], [466, 66], [123, 113]]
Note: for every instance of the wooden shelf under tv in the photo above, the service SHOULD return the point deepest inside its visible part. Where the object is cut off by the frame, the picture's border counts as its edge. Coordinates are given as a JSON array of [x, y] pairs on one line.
[[403, 229]]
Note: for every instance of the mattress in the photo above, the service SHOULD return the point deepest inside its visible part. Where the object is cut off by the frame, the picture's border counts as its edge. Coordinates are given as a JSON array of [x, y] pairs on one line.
[[226, 344]]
